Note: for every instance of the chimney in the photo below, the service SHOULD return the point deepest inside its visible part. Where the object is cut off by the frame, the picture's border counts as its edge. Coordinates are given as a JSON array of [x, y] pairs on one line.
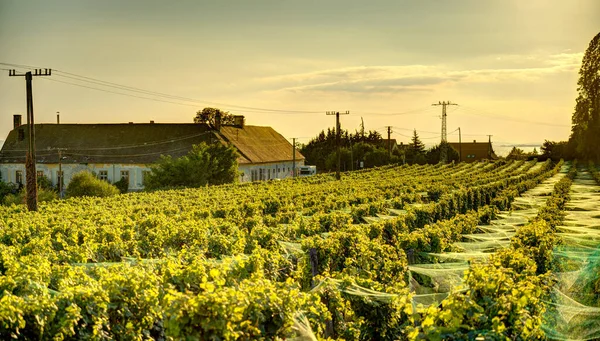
[[474, 141], [130, 122], [57, 118], [239, 121], [151, 122], [17, 121], [218, 121]]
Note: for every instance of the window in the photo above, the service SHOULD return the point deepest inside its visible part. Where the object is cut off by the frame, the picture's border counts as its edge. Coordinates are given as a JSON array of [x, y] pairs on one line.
[[125, 175], [261, 173], [19, 177], [103, 175], [40, 174], [269, 174]]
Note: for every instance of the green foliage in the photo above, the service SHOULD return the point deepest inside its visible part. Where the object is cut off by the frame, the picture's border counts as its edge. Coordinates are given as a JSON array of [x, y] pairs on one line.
[[433, 155], [213, 164], [415, 152], [86, 184], [586, 117], [122, 185], [233, 262], [7, 189]]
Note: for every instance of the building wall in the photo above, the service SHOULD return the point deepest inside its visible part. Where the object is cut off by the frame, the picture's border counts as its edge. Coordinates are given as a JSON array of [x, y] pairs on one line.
[[267, 171], [8, 172]]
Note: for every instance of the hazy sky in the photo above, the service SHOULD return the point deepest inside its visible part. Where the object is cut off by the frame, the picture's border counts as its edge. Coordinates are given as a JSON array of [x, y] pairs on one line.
[[505, 62]]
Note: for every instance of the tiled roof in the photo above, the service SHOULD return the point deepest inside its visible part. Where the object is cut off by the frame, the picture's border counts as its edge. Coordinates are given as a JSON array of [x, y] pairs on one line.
[[260, 144], [141, 143]]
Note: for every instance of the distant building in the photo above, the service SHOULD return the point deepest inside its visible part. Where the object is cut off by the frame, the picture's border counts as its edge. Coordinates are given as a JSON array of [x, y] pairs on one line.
[[117, 151], [474, 151]]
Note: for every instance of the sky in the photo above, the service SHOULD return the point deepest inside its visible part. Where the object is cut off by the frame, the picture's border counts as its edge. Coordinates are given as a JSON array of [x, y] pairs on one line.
[[510, 65]]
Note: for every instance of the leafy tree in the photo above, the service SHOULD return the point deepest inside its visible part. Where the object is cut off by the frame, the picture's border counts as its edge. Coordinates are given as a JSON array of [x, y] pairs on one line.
[[321, 151], [558, 150], [205, 164], [586, 118], [433, 155], [516, 154], [87, 184], [209, 115]]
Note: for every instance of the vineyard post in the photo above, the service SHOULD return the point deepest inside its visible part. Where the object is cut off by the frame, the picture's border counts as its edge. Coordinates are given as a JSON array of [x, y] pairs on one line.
[[30, 158]]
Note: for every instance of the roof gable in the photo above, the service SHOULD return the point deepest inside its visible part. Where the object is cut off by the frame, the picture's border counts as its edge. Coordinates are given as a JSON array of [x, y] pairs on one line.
[[260, 144]]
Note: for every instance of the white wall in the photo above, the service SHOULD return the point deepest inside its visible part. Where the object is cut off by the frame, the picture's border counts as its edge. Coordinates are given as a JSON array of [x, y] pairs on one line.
[[8, 172], [278, 170]]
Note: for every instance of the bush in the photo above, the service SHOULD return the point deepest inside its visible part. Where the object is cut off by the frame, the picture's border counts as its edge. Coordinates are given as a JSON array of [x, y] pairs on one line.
[[21, 196], [86, 184], [122, 185], [205, 164]]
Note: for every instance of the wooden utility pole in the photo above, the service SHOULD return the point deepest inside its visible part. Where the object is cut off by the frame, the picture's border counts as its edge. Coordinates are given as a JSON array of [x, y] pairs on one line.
[[444, 143], [337, 140], [459, 146], [61, 178], [30, 159], [389, 144], [294, 157]]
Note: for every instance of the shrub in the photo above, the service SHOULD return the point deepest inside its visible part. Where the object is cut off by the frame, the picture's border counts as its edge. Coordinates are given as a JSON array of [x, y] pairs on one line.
[[122, 185], [21, 196], [86, 184]]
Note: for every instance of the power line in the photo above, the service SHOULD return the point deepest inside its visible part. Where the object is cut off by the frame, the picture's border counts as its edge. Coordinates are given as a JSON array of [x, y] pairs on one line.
[[159, 94], [478, 112]]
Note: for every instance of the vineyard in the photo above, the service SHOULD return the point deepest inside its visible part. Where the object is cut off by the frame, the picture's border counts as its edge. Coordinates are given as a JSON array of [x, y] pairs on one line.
[[504, 250]]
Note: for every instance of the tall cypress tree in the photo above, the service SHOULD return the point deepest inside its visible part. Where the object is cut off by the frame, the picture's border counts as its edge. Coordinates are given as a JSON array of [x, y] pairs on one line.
[[586, 118]]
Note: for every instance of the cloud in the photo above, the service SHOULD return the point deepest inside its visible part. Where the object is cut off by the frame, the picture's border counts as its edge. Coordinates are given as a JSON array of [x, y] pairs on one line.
[[421, 78]]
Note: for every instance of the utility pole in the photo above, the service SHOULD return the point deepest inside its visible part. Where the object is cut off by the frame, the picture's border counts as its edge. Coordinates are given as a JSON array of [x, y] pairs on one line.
[[61, 178], [459, 146], [389, 144], [294, 158], [337, 139], [444, 143], [30, 158]]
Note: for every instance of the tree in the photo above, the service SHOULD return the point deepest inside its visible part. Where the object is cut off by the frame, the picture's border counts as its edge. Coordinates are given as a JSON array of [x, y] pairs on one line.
[[205, 164], [321, 150], [558, 150], [209, 115], [415, 152], [586, 118], [87, 184], [516, 154], [433, 155]]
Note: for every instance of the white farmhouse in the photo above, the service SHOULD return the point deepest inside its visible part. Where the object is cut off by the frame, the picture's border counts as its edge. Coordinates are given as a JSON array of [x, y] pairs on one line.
[[116, 151]]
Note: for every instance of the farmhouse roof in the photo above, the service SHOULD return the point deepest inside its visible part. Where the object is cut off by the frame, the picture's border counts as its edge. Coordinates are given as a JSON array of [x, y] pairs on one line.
[[472, 151], [139, 143]]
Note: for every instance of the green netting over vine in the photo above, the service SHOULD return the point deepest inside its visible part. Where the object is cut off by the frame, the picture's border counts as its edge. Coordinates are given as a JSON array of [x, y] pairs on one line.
[[573, 312]]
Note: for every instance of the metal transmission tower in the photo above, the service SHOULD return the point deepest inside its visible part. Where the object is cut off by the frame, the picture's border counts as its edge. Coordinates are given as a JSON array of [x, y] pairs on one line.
[[444, 144], [30, 160], [337, 139]]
